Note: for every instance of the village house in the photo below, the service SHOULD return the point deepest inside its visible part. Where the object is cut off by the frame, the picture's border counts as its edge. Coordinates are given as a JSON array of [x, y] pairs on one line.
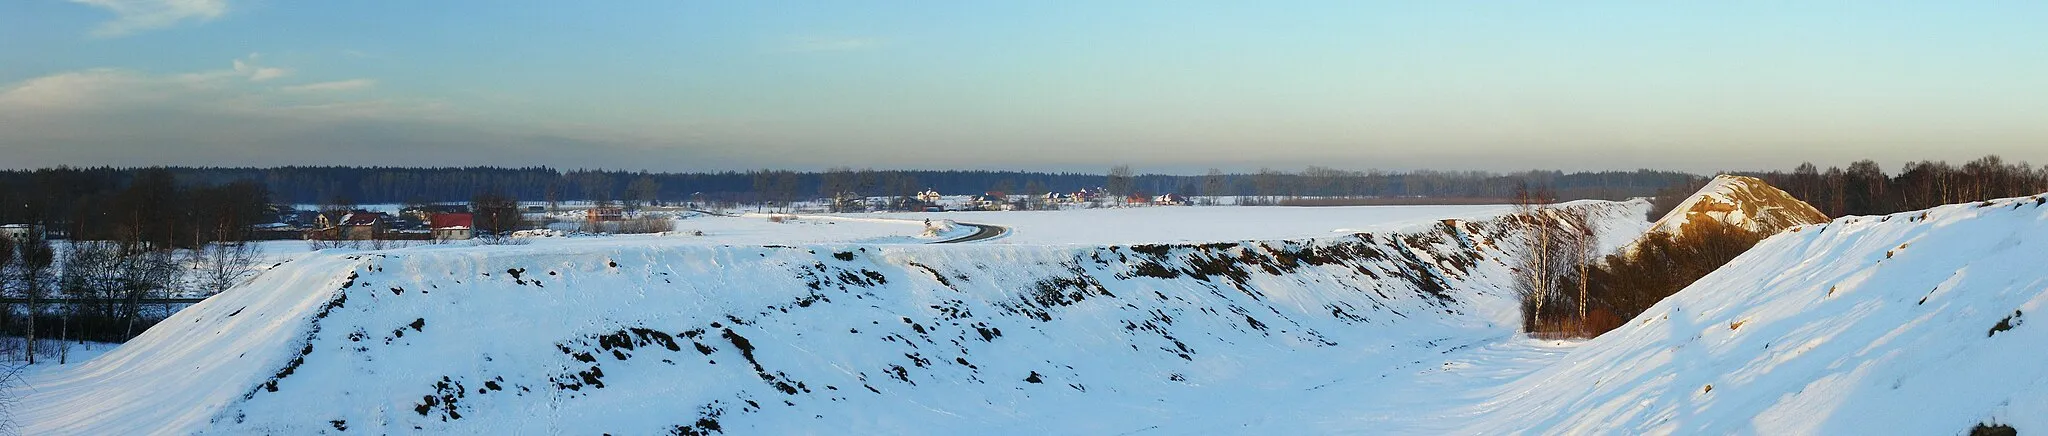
[[1085, 195], [363, 226], [426, 212], [1170, 200], [452, 226], [604, 214], [17, 231], [991, 202]]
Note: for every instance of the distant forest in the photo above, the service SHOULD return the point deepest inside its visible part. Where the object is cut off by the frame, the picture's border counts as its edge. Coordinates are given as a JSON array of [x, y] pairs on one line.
[[309, 185], [78, 196], [1864, 189]]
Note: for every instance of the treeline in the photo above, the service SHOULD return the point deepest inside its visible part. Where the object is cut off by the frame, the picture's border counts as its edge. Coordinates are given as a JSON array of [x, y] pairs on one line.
[[311, 185], [1864, 188], [127, 236], [147, 208]]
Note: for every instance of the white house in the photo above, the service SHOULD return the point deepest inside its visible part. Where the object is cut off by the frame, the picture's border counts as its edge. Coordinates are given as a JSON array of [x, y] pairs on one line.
[[16, 231]]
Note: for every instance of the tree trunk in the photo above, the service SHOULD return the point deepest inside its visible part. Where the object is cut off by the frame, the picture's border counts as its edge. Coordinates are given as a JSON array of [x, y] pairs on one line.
[[31, 325]]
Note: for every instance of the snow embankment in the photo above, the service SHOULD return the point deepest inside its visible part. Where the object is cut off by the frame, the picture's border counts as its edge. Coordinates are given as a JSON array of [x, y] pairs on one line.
[[637, 339], [1912, 323]]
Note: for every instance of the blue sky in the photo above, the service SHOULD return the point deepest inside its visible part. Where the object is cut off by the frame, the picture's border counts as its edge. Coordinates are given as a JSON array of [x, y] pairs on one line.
[[1167, 86]]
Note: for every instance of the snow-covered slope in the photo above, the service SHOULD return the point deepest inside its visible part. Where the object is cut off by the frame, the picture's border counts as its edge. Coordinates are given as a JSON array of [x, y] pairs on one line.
[[1741, 201], [1912, 323], [685, 339]]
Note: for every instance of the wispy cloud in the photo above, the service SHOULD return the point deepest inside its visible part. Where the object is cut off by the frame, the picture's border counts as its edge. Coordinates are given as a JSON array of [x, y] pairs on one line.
[[832, 44], [334, 86], [224, 116], [246, 88], [131, 16], [247, 66]]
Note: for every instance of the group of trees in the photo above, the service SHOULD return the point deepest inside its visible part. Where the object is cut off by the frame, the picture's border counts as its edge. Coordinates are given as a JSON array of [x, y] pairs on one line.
[[120, 238], [148, 207], [1559, 249], [1623, 285], [24, 268], [1864, 188]]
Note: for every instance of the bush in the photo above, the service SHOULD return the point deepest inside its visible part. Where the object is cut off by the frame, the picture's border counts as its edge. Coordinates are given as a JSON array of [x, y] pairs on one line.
[[1624, 285], [644, 225]]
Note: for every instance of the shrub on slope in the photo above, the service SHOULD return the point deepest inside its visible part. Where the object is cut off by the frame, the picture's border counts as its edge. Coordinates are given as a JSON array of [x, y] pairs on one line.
[[1865, 325], [1703, 232]]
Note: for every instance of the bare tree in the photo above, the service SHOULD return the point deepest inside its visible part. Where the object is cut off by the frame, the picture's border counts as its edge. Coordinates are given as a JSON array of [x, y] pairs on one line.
[[9, 377], [1558, 253], [1214, 184], [494, 217], [1121, 183], [6, 261], [1267, 182], [32, 266], [222, 265], [643, 190], [144, 274]]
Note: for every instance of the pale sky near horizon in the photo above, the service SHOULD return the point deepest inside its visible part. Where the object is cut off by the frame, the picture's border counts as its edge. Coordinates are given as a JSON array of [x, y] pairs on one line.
[[1168, 86]]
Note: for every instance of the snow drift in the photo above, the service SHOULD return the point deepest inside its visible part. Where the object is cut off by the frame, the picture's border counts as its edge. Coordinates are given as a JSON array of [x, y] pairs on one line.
[[1910, 323], [680, 339]]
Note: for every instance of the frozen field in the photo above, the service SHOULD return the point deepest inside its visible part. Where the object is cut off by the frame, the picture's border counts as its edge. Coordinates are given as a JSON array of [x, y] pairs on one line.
[[1203, 224], [1908, 323]]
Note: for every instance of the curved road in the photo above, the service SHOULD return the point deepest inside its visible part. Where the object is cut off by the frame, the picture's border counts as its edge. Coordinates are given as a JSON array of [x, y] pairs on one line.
[[981, 232]]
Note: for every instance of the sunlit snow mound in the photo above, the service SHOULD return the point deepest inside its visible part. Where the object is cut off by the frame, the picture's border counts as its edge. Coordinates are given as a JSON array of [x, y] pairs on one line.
[[671, 339], [1921, 322], [1745, 202]]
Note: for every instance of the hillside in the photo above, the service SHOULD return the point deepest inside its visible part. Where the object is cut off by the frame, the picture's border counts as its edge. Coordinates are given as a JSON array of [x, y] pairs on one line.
[[1705, 231], [1911, 323], [1740, 201], [651, 338]]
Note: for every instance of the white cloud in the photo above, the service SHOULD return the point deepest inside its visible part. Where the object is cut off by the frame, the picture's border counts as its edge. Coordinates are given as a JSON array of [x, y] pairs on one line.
[[832, 44], [247, 66], [243, 90], [132, 16], [334, 86], [225, 117]]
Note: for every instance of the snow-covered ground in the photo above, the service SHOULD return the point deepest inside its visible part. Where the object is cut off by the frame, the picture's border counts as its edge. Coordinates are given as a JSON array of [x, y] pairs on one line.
[[1144, 225], [582, 335], [1911, 323]]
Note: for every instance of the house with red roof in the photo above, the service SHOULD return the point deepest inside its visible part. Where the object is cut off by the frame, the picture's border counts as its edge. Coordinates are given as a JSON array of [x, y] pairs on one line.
[[451, 226]]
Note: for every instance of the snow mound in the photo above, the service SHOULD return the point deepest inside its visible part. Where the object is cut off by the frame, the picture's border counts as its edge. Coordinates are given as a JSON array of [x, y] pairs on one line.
[[1740, 201], [1912, 323], [683, 339]]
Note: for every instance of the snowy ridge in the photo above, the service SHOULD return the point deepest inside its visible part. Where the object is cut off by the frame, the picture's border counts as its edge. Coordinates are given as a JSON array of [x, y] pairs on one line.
[[1740, 201], [826, 338], [1911, 323], [172, 378]]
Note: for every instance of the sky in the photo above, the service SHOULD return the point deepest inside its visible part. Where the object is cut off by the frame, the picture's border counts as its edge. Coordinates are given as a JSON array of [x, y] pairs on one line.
[[1166, 86]]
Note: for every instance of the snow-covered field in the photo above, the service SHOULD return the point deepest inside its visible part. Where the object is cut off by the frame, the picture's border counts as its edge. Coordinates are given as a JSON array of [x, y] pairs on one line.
[[1912, 323], [1145, 225]]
